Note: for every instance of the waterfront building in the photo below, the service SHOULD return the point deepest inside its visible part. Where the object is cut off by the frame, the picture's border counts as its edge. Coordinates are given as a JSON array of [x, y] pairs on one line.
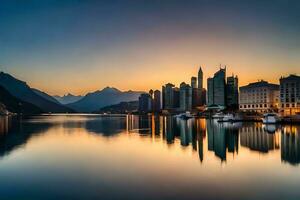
[[232, 92], [185, 97], [156, 101], [168, 96], [290, 95], [176, 98], [203, 97], [259, 97], [194, 82], [196, 93], [200, 79], [145, 103], [217, 88]]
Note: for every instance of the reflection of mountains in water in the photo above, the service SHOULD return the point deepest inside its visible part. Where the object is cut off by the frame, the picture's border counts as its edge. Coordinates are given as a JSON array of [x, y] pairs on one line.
[[14, 133]]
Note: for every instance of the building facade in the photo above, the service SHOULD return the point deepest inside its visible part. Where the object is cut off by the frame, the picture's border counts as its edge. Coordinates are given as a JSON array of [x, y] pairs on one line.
[[232, 92], [145, 103], [290, 95], [185, 97], [259, 97], [157, 101], [217, 89]]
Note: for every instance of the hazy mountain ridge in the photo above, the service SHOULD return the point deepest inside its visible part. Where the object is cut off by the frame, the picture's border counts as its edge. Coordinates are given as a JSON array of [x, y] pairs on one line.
[[15, 105], [20, 90], [120, 108], [101, 98], [68, 98], [45, 95]]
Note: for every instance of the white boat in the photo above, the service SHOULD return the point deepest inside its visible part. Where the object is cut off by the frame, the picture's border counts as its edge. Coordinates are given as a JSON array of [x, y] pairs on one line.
[[270, 118], [218, 116], [227, 118], [186, 115], [230, 118]]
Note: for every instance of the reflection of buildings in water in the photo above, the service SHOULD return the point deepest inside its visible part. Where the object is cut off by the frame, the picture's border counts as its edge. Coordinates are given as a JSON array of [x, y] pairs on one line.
[[107, 126], [257, 139], [290, 145], [222, 137], [4, 124], [201, 134]]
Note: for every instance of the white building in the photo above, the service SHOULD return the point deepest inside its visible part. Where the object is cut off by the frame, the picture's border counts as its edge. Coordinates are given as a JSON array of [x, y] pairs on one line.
[[259, 97]]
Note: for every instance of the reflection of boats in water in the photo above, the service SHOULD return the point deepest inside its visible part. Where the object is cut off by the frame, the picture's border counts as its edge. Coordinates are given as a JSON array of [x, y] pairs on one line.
[[270, 128], [270, 118], [218, 115], [185, 116], [230, 117]]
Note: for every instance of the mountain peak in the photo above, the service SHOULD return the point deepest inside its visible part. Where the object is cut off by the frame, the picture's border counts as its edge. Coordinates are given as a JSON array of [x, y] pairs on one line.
[[110, 89]]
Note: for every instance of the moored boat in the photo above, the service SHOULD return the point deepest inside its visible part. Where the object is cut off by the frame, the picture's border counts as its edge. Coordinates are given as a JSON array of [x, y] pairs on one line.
[[270, 118]]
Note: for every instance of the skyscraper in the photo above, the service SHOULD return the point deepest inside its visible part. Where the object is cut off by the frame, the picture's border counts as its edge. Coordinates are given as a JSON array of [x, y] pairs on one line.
[[156, 101], [200, 79], [185, 97], [195, 93], [232, 92], [217, 88], [145, 103], [168, 96], [194, 82]]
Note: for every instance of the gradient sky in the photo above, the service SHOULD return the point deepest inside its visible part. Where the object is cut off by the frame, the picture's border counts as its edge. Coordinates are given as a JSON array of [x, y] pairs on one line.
[[81, 46]]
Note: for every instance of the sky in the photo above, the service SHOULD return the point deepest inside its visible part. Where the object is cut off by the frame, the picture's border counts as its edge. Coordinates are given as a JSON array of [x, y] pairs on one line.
[[76, 46]]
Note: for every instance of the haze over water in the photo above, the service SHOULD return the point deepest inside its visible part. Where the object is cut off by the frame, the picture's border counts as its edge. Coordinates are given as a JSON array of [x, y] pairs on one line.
[[93, 157]]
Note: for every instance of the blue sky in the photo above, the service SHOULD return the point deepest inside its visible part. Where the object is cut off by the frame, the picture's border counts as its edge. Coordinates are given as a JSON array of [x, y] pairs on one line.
[[78, 46]]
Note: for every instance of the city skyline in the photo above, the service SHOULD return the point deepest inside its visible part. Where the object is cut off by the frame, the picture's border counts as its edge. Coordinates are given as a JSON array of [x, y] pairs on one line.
[[78, 47]]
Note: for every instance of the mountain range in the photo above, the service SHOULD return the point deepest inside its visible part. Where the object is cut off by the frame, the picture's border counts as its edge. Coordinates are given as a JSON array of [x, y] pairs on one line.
[[23, 92], [15, 105], [36, 101], [68, 98], [99, 99]]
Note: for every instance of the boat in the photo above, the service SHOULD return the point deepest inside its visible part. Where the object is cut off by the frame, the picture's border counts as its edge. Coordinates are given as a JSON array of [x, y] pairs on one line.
[[185, 116], [218, 116], [230, 118], [270, 118]]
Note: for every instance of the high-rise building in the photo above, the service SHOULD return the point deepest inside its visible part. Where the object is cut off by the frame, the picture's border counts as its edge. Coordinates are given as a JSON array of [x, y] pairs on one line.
[[232, 92], [156, 101], [176, 98], [196, 93], [168, 96], [194, 82], [259, 97], [217, 88], [200, 79], [145, 103], [290, 95], [185, 97]]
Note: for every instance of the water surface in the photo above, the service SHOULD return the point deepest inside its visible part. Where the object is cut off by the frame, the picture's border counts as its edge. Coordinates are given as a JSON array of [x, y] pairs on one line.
[[134, 157]]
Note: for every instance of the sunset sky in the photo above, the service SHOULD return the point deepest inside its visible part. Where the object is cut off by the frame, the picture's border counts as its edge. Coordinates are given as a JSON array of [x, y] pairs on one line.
[[81, 46]]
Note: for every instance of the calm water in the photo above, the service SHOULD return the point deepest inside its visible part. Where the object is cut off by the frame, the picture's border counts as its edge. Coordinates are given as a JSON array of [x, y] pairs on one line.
[[92, 157]]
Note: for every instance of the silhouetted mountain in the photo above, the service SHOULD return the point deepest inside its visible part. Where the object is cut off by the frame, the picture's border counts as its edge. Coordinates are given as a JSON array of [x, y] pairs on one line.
[[22, 91], [120, 108], [45, 96], [67, 99], [99, 99], [15, 105]]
